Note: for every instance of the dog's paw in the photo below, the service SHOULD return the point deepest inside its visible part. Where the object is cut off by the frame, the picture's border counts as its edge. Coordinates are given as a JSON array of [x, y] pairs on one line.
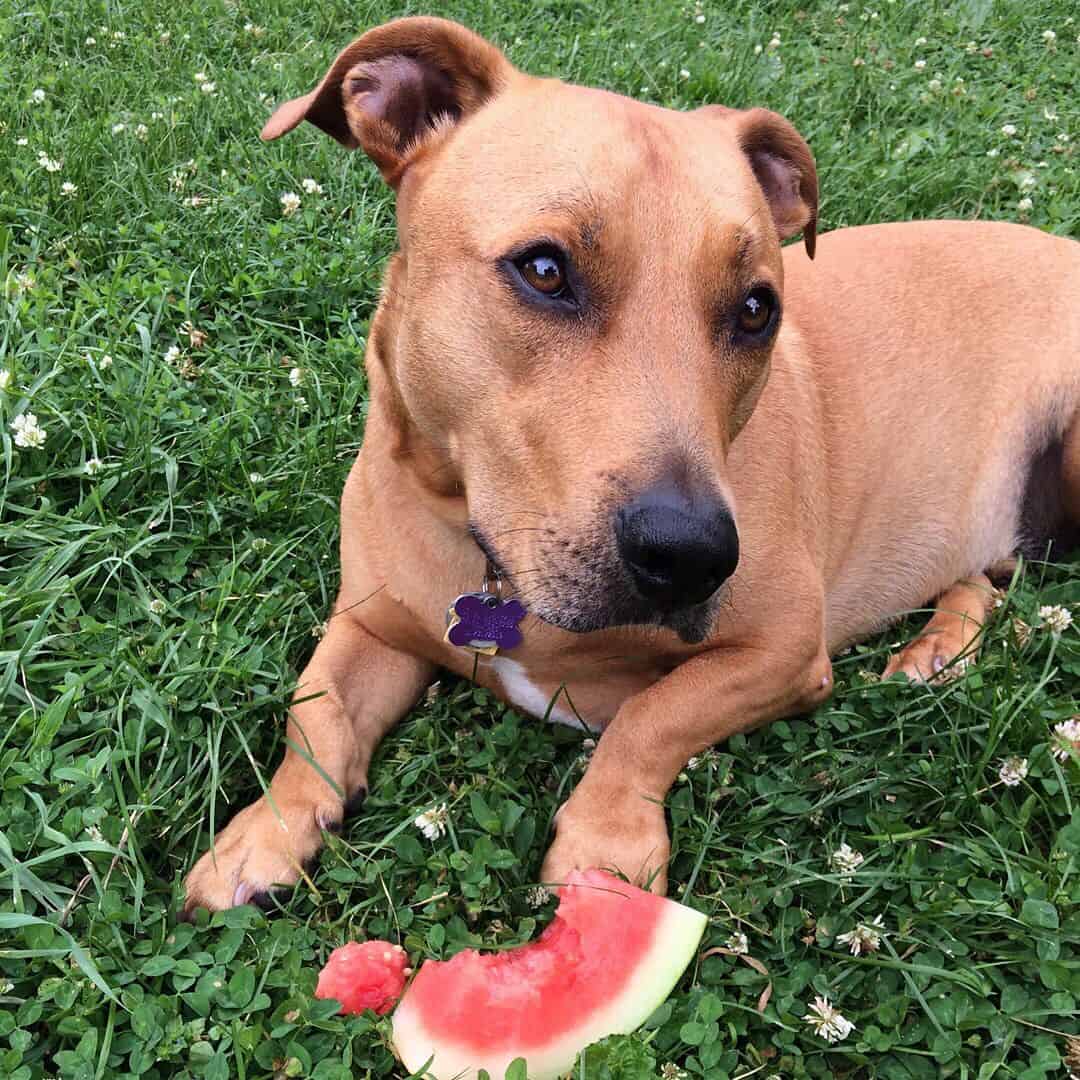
[[635, 845], [933, 658], [266, 846]]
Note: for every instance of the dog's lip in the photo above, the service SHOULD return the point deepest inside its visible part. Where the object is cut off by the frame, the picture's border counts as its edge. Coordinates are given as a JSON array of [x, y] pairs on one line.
[[494, 565]]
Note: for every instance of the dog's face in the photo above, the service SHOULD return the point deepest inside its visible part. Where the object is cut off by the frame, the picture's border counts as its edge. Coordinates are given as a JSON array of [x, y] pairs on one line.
[[582, 314]]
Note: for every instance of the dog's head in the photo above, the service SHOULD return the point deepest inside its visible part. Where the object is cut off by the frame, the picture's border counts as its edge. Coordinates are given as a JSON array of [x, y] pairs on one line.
[[581, 316]]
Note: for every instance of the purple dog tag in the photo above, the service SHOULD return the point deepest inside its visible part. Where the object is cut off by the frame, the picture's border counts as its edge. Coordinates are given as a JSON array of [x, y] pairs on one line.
[[486, 622]]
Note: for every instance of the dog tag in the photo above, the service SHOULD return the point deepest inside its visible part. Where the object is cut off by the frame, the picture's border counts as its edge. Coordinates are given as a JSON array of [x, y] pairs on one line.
[[483, 623]]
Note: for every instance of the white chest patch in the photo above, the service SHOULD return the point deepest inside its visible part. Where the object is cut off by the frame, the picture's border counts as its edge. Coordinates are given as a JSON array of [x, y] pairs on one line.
[[523, 693]]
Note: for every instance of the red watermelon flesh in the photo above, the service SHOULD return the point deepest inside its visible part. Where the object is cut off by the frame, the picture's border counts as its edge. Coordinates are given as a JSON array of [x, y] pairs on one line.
[[607, 961], [364, 975]]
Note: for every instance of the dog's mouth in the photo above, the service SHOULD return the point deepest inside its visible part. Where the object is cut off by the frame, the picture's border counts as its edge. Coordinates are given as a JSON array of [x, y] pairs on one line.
[[591, 594]]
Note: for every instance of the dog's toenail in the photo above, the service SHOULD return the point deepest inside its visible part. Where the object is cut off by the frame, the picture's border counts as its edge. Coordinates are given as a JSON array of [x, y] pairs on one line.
[[244, 893], [939, 663], [355, 801], [328, 821]]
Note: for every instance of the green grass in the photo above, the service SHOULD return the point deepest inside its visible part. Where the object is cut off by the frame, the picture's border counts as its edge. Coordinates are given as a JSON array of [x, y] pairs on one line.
[[153, 616]]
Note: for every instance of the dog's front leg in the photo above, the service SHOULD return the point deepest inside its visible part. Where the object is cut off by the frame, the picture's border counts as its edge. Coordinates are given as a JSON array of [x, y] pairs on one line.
[[352, 692], [615, 817]]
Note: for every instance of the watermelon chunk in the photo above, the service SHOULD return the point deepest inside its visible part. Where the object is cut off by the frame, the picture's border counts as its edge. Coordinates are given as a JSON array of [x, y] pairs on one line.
[[608, 959], [364, 975]]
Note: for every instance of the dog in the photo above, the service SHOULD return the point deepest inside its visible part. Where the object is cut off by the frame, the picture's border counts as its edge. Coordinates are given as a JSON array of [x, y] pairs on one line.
[[652, 468]]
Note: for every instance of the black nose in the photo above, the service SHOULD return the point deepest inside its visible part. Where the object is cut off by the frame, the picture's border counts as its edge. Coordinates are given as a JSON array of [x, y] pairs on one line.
[[678, 548]]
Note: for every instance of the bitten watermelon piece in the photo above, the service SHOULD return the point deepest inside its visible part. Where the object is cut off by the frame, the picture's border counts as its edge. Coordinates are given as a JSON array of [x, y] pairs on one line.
[[609, 958], [364, 975]]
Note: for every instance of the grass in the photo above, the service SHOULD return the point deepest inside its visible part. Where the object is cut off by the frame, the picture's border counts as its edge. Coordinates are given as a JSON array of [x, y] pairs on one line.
[[154, 615]]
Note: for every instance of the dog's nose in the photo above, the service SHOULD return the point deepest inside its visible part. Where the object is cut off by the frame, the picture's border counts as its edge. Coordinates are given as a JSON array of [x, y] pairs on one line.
[[678, 548]]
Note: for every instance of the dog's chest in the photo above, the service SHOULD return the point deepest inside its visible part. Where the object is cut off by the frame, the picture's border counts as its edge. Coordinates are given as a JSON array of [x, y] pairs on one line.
[[582, 701]]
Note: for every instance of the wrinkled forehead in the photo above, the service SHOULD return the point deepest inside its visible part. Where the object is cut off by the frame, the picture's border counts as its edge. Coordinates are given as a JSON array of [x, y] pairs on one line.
[[558, 157]]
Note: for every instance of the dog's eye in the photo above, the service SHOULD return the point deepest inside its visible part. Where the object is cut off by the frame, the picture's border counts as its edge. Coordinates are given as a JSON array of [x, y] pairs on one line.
[[756, 313], [544, 271]]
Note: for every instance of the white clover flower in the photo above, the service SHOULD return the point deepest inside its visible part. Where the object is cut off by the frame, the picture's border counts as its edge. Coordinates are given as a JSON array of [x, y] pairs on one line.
[[29, 434], [1055, 618], [256, 477], [1049, 37], [311, 187], [1024, 205], [758, 50], [774, 42], [105, 362], [827, 1021], [699, 18], [290, 203], [845, 860], [119, 129], [5, 379], [49, 164], [1008, 130], [993, 152], [934, 85], [684, 73], [119, 35], [432, 823], [157, 606], [1013, 770], [670, 1071], [919, 65], [157, 116], [738, 943], [142, 132], [172, 354], [296, 377], [538, 896], [25, 283], [1066, 738], [93, 466], [200, 77], [858, 62], [865, 938], [208, 87], [68, 189], [23, 141], [91, 41], [253, 30], [37, 97], [920, 41]]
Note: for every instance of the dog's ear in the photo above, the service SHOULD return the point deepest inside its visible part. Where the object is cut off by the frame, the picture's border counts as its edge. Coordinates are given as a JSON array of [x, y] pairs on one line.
[[396, 83], [784, 168]]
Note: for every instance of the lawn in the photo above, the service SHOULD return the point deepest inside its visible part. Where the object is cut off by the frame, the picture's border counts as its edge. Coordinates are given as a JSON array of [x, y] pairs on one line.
[[192, 355]]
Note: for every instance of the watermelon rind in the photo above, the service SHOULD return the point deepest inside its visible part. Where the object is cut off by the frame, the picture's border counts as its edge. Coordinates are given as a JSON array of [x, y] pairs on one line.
[[677, 936]]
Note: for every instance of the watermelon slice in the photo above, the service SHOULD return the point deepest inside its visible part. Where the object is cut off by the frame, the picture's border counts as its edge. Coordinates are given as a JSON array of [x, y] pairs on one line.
[[607, 961], [364, 975]]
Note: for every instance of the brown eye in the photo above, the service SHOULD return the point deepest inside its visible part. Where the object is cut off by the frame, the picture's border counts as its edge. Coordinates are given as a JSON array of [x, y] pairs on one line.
[[757, 310], [544, 272]]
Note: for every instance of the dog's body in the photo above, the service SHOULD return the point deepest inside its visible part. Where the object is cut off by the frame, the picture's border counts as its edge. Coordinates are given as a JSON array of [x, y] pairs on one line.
[[913, 422]]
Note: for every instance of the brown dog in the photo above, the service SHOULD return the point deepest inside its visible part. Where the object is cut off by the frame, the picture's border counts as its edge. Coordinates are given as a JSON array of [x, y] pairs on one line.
[[582, 388]]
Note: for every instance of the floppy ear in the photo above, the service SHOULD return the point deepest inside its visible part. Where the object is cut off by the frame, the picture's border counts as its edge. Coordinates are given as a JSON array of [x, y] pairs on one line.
[[784, 168], [396, 83]]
